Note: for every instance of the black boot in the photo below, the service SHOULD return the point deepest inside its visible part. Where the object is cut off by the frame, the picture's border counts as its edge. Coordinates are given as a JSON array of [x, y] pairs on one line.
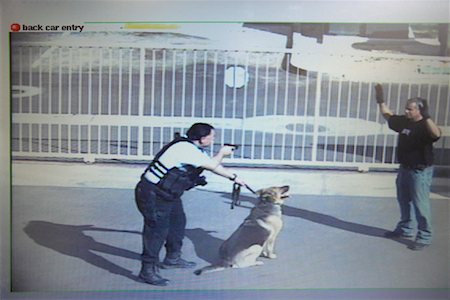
[[177, 263], [149, 274]]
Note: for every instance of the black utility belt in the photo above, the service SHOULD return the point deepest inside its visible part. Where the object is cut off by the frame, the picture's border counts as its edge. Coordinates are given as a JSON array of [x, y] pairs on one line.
[[415, 167]]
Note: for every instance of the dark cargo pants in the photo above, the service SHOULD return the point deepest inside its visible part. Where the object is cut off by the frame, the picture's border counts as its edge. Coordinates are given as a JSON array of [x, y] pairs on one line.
[[164, 222]]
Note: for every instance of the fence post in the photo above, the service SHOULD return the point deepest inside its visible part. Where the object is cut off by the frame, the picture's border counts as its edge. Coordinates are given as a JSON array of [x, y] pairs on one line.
[[316, 117], [140, 142]]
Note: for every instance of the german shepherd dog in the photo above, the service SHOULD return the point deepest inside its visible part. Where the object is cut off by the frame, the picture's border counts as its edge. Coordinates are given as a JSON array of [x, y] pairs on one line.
[[256, 236]]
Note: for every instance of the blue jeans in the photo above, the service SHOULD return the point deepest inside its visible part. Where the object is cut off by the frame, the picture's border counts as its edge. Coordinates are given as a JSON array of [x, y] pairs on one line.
[[413, 195]]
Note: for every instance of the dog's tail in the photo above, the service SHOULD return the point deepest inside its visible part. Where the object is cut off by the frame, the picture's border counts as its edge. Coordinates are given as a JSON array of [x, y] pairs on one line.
[[209, 269]]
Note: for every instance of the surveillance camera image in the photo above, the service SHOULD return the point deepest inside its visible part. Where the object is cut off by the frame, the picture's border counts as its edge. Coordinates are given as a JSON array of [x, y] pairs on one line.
[[215, 151]]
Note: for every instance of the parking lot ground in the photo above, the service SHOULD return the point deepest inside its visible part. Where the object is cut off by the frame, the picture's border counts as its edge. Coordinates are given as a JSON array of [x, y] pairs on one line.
[[86, 238]]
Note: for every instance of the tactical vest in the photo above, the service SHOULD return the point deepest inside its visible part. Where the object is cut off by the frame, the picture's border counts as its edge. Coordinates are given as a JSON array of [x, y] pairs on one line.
[[175, 181]]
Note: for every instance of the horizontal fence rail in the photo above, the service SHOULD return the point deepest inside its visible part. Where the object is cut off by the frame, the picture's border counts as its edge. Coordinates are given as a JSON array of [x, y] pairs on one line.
[[96, 103]]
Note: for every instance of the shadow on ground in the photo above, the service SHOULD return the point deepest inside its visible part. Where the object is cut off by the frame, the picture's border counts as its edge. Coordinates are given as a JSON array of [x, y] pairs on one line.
[[72, 240], [399, 46], [326, 220], [442, 190], [206, 246]]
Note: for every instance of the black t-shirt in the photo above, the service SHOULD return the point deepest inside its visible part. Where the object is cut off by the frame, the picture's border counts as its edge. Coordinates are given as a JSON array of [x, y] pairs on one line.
[[415, 145]]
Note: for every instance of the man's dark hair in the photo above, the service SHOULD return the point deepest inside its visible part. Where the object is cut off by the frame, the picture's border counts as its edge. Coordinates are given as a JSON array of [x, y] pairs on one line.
[[198, 130]]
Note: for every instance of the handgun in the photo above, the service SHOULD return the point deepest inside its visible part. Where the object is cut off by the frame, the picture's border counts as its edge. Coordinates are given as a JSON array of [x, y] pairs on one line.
[[235, 147]]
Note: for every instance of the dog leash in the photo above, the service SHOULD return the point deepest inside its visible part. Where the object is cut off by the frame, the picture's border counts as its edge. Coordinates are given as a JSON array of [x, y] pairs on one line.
[[236, 192], [250, 189]]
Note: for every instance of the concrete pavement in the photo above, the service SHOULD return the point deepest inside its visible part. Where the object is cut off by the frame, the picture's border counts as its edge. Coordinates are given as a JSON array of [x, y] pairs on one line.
[[75, 228]]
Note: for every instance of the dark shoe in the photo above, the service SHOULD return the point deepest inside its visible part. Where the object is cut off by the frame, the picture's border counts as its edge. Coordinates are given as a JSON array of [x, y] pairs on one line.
[[418, 246], [149, 274], [177, 263], [396, 235]]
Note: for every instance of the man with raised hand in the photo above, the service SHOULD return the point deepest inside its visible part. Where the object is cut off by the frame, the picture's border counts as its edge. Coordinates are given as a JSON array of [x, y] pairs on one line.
[[416, 134]]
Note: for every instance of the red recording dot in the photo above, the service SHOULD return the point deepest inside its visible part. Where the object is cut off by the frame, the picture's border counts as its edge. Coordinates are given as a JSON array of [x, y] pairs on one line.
[[15, 27]]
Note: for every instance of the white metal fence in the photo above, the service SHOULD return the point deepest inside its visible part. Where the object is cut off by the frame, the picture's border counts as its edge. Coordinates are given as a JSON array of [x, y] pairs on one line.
[[124, 103]]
